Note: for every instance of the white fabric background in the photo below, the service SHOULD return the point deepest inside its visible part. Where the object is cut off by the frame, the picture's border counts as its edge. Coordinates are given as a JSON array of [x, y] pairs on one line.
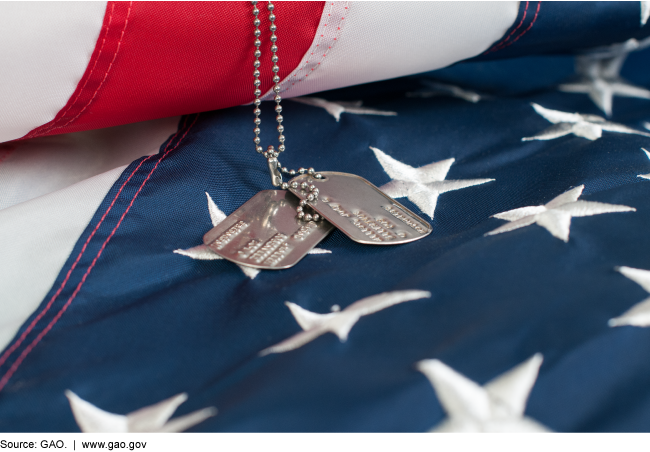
[[35, 167], [44, 50], [54, 186], [383, 40]]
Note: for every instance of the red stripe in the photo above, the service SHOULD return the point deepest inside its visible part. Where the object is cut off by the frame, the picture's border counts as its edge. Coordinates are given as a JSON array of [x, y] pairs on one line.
[[115, 20], [103, 79], [40, 336], [163, 59], [108, 18]]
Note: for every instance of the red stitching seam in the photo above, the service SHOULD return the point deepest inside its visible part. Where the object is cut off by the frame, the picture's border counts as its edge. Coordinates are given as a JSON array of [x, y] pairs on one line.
[[56, 318], [526, 30], [329, 47], [11, 349], [108, 26], [117, 49], [497, 45], [317, 42], [31, 326]]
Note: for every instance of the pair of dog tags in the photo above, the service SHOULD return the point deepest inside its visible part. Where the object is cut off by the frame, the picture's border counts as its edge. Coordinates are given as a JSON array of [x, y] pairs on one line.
[[266, 233]]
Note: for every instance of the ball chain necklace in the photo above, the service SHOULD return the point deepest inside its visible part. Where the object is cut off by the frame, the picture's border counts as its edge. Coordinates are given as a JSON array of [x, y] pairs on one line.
[[275, 229]]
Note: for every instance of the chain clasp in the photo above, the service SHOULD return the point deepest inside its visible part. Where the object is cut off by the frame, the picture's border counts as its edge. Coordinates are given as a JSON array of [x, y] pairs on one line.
[[274, 165]]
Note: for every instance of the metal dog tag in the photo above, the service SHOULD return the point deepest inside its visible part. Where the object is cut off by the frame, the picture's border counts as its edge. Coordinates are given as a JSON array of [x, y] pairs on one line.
[[265, 232], [362, 211]]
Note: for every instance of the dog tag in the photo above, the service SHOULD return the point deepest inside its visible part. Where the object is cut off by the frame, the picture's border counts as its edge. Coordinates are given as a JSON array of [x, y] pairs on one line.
[[362, 211], [265, 232]]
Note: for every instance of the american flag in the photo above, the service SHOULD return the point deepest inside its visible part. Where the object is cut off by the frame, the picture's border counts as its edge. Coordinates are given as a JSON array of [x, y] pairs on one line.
[[521, 132]]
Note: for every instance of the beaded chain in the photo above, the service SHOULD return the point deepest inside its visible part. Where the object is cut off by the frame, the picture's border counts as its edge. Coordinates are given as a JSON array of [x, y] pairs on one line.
[[271, 154]]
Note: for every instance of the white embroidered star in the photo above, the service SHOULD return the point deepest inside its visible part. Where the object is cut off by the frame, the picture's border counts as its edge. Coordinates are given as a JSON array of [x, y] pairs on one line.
[[339, 322], [555, 216], [645, 176], [639, 314], [586, 126], [444, 89], [497, 406], [423, 185], [203, 252], [621, 49], [337, 108], [154, 418], [645, 12], [600, 79]]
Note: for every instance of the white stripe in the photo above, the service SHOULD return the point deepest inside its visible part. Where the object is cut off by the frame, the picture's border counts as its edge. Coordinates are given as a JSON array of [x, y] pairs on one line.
[[38, 233], [383, 40], [32, 168], [45, 48]]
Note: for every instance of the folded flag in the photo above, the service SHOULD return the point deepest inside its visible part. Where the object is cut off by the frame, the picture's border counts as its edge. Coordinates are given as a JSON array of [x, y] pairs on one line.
[[524, 310]]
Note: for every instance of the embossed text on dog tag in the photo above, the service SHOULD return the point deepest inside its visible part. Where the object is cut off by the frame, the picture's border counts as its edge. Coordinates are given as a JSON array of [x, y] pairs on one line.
[[362, 211], [265, 232]]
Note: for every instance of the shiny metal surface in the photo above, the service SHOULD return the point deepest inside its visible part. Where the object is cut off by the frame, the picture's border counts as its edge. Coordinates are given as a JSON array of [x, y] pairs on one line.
[[360, 210], [265, 233], [276, 176]]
